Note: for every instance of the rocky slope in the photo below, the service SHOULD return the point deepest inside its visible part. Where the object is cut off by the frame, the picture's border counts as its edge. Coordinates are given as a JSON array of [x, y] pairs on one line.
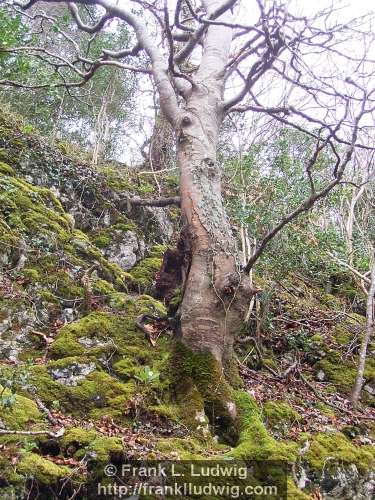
[[82, 386]]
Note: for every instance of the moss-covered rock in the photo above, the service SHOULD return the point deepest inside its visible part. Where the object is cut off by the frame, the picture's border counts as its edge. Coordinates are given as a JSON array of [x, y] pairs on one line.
[[95, 395], [22, 414], [88, 441], [329, 449], [41, 469], [144, 273]]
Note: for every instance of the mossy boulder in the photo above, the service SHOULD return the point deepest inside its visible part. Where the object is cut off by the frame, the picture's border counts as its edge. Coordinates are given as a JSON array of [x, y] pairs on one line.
[[329, 449], [95, 395], [104, 333], [99, 448], [22, 414], [41, 469]]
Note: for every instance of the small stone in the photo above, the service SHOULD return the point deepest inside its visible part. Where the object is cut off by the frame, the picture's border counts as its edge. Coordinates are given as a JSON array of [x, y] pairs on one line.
[[72, 374], [370, 389]]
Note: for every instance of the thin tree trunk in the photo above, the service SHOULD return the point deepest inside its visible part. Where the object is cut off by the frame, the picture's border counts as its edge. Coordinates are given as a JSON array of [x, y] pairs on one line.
[[366, 338]]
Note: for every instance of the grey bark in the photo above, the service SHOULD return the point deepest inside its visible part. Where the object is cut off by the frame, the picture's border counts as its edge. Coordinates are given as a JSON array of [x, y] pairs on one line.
[[366, 338]]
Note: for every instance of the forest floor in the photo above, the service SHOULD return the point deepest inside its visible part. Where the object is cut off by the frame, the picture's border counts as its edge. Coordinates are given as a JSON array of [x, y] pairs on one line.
[[82, 387]]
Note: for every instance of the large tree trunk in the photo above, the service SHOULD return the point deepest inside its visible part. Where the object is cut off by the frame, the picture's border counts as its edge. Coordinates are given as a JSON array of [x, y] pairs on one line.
[[215, 293], [214, 287]]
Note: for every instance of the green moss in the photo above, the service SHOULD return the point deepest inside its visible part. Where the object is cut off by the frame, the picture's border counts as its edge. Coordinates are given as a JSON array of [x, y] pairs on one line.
[[78, 436], [22, 414], [96, 395], [158, 251], [102, 241], [106, 332], [32, 275], [188, 449], [129, 367], [255, 443], [169, 411], [32, 209], [279, 413], [202, 391], [98, 326], [6, 169], [102, 287], [144, 273], [104, 447], [325, 409], [46, 472], [342, 374], [328, 449]]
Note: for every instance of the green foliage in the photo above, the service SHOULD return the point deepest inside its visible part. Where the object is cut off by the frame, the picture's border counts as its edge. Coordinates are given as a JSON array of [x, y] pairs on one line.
[[54, 110], [148, 376], [10, 381], [271, 181]]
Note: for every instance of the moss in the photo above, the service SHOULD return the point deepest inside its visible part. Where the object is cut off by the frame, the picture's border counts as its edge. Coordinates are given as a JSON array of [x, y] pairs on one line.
[[129, 368], [340, 373], [144, 273], [32, 209], [32, 275], [279, 413], [102, 241], [102, 287], [99, 326], [106, 332], [325, 409], [255, 443], [42, 470], [175, 302], [96, 395], [104, 447], [169, 411], [203, 391], [188, 449], [78, 436], [328, 449], [22, 414], [6, 169], [100, 447], [158, 251], [104, 237]]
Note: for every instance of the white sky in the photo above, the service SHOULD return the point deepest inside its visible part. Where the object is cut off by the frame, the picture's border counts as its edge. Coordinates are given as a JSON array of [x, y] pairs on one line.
[[346, 10]]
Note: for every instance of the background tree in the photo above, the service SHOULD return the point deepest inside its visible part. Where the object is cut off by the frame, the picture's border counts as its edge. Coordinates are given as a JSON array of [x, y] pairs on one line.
[[206, 63], [94, 118]]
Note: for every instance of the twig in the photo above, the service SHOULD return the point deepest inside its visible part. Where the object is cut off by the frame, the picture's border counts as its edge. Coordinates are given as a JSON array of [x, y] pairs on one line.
[[34, 433]]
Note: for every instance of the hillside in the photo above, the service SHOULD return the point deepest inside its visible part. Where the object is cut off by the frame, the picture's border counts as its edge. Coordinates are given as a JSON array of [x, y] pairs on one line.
[[89, 368]]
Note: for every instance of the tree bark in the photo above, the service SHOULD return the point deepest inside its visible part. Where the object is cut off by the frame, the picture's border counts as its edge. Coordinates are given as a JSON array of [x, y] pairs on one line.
[[366, 338], [215, 293]]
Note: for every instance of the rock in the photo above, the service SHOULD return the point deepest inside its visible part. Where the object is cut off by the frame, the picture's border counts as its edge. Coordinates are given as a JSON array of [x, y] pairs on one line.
[[370, 389], [72, 374], [347, 483], [90, 342], [68, 315], [126, 250]]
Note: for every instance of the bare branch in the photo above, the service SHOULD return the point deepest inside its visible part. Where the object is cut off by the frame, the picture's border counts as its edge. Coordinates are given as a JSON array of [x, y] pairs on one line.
[[155, 202]]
